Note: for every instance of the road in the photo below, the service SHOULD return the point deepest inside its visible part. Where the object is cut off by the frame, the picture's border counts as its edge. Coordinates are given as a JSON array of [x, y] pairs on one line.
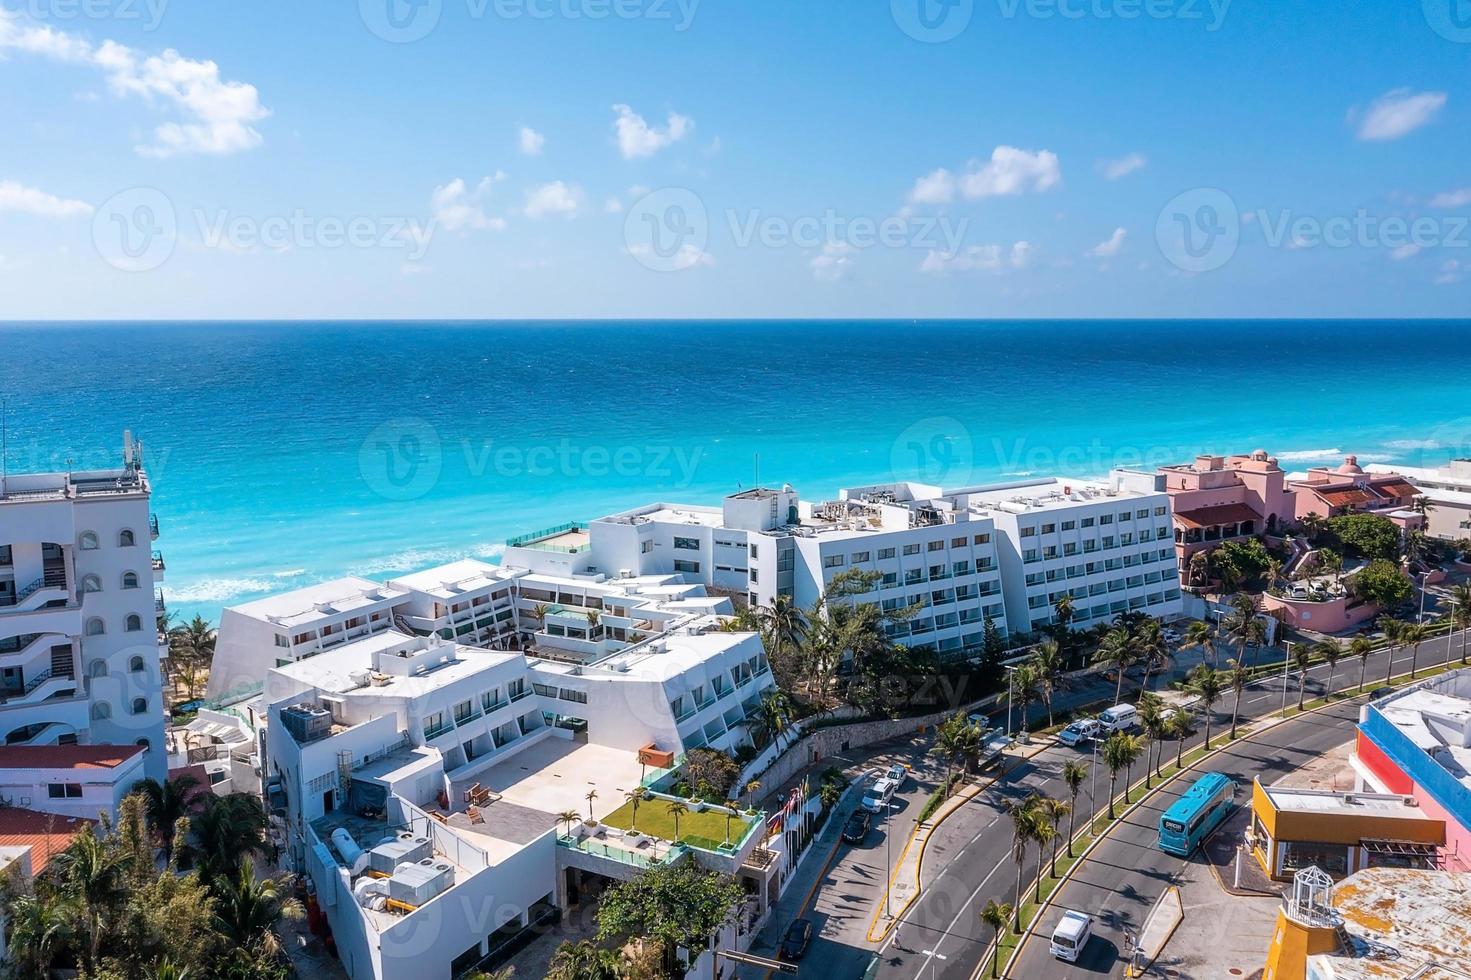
[[969, 859], [1125, 875]]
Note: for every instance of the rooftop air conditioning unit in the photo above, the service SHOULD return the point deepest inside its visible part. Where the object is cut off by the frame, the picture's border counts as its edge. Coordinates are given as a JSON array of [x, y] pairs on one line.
[[1411, 801]]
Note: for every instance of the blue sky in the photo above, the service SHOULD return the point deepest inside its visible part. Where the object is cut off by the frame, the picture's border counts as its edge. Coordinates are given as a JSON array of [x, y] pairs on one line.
[[670, 158]]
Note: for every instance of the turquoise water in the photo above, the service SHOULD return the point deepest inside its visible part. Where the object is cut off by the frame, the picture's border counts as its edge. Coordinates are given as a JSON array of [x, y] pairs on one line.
[[287, 453]]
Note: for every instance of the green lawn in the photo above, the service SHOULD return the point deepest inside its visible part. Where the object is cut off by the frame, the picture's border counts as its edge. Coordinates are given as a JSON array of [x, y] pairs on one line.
[[654, 818]]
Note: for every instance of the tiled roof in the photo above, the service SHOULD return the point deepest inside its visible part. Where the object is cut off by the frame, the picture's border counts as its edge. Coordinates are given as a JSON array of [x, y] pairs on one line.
[[66, 756], [1397, 488], [46, 834], [1347, 496], [1220, 514]]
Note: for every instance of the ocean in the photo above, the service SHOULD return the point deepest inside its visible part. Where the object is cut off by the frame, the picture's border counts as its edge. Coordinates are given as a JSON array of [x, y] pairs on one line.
[[287, 453]]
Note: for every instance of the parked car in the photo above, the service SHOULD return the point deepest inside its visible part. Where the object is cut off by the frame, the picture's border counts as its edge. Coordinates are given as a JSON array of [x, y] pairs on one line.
[[1172, 635], [898, 772], [1119, 718], [794, 942], [855, 830], [879, 794], [1080, 731], [1380, 692]]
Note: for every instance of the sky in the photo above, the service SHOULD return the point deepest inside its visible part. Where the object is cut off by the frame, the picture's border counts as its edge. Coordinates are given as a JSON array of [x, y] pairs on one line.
[[182, 159]]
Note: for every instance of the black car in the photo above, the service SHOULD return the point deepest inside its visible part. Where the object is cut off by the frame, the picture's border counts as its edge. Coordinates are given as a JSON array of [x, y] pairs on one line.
[[1380, 692], [794, 943], [856, 829]]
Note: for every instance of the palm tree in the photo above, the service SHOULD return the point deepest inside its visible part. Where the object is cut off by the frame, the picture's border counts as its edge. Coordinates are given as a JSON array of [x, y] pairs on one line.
[[1043, 833], [192, 647], [1361, 647], [565, 818], [633, 798], [996, 915], [776, 713], [1201, 634], [1412, 635], [592, 794], [39, 930], [1256, 636], [1050, 666], [676, 810], [584, 960], [1022, 690], [1117, 651], [1331, 651], [1301, 659], [248, 909], [1179, 731], [956, 739], [226, 829], [1205, 683], [1392, 629], [1073, 773], [95, 875], [1054, 811], [175, 797], [1120, 751], [1152, 715], [1461, 614], [1023, 826], [1238, 675], [1150, 646]]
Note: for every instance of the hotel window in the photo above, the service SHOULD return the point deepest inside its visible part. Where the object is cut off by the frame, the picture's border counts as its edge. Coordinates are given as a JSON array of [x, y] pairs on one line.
[[140, 706], [754, 576], [936, 545], [1070, 548], [646, 546], [463, 711], [95, 627], [88, 541], [91, 583], [755, 551], [1029, 532], [1050, 551], [911, 549], [579, 697], [1048, 528], [1087, 522], [859, 557], [5, 558], [1069, 525], [687, 544], [1108, 541], [1162, 533], [1159, 511], [687, 566], [885, 553], [1105, 519], [125, 538], [890, 578], [832, 561], [64, 791], [134, 623], [982, 539], [1127, 538], [130, 580], [1030, 555]]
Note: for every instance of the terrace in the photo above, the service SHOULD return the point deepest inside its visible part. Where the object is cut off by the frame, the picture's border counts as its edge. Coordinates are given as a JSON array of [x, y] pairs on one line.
[[567, 539]]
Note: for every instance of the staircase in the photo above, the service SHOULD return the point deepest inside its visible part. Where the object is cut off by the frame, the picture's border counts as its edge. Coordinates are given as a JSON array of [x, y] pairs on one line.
[[62, 662]]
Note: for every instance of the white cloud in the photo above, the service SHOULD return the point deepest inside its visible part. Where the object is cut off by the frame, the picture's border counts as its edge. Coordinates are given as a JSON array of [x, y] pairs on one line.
[[1009, 171], [1407, 251], [1108, 249], [554, 198], [833, 262], [1123, 166], [1452, 271], [636, 138], [412, 270], [457, 208], [218, 115], [977, 258], [531, 141], [1452, 199], [29, 200], [1397, 113], [689, 255], [613, 206]]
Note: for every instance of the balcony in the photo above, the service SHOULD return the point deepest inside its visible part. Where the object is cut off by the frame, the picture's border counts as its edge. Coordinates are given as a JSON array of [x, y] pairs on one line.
[[159, 606], [153, 526], [50, 587], [43, 687], [158, 566], [432, 732]]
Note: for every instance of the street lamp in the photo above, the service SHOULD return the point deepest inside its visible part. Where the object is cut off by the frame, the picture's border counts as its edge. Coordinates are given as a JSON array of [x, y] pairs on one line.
[[1010, 695], [1286, 662], [1093, 786], [934, 956]]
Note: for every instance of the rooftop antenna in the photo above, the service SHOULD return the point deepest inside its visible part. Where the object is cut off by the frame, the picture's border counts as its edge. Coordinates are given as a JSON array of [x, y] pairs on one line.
[[758, 471]]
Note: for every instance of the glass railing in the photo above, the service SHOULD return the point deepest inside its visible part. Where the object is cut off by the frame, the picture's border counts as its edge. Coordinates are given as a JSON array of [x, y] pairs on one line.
[[623, 855], [434, 731]]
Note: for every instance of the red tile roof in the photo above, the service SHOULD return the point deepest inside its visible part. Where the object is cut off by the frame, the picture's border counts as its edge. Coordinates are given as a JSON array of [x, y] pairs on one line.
[[45, 833], [1220, 514], [1347, 496], [66, 756], [1398, 488]]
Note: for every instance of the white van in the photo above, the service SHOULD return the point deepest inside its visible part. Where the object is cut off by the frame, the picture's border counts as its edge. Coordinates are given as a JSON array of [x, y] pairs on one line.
[[1071, 935], [879, 794], [1119, 718]]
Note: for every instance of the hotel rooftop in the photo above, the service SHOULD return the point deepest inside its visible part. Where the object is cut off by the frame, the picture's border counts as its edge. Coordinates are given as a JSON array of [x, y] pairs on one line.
[[310, 603]]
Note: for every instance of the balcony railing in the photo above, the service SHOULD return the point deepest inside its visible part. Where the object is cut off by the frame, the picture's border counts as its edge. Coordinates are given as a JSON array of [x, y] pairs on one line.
[[54, 578], [17, 694], [158, 565], [434, 731], [153, 526], [158, 603]]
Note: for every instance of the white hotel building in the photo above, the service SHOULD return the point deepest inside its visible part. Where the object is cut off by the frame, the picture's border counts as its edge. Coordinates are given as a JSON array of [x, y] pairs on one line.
[[79, 646]]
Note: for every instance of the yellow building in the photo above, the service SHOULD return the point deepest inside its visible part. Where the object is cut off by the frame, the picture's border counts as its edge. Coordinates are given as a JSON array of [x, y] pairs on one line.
[[1339, 833]]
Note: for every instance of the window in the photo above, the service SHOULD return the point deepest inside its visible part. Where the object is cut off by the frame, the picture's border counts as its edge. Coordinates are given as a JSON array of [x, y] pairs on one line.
[[957, 542], [686, 566], [754, 577], [130, 580], [140, 706], [134, 623], [911, 549], [885, 553], [64, 791], [125, 538], [1049, 528], [1159, 511], [95, 627], [1069, 525], [936, 545], [87, 541], [144, 744], [5, 556], [1087, 522], [1105, 519], [101, 711], [754, 551], [687, 544], [1029, 532], [580, 697], [1030, 555], [1141, 514], [91, 583], [832, 561], [859, 557], [982, 539], [283, 642], [136, 665]]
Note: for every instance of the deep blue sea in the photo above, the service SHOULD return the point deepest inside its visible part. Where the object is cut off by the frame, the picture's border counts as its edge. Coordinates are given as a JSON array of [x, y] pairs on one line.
[[285, 453]]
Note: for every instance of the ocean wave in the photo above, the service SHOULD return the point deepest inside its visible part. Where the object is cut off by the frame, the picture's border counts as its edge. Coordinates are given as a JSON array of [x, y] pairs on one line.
[[218, 589], [414, 559], [1312, 454], [289, 573], [1415, 444]]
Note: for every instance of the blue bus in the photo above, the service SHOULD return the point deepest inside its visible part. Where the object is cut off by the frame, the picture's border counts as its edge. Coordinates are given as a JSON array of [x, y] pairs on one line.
[[1193, 817]]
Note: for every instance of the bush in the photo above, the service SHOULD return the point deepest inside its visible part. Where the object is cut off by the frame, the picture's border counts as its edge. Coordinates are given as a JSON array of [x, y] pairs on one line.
[[1382, 583], [939, 796], [1366, 535]]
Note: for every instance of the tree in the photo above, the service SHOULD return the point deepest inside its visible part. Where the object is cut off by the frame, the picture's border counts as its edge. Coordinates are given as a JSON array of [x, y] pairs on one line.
[[1332, 563], [676, 810], [633, 798], [1073, 774], [39, 931], [1461, 613], [592, 794], [1050, 666], [249, 908], [1152, 716], [94, 875], [956, 739], [584, 960], [1054, 811], [166, 802], [679, 906], [1382, 583], [1367, 535], [1330, 651], [993, 651], [565, 818], [1117, 651], [1206, 684], [1022, 689], [1412, 635], [1024, 820], [710, 774], [1120, 751], [1238, 675], [1302, 659], [1043, 833], [1361, 647], [192, 649], [226, 829], [1201, 634], [996, 915], [1179, 731], [1150, 646]]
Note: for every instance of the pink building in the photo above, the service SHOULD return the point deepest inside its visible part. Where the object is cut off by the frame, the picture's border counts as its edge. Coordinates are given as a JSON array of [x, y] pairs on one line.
[[1347, 489], [1222, 498]]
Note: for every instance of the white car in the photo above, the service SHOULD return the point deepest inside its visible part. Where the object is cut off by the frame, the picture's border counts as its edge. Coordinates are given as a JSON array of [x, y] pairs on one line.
[[1071, 935], [879, 794], [1080, 731], [898, 772]]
